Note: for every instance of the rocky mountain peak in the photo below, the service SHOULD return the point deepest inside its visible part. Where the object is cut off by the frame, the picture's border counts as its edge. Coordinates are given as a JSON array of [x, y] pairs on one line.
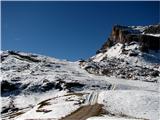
[[131, 52], [146, 36]]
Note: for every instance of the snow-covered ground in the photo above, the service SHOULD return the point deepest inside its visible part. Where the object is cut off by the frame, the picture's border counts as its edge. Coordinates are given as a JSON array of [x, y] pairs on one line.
[[54, 107], [52, 88], [114, 51], [155, 35], [111, 118], [131, 103]]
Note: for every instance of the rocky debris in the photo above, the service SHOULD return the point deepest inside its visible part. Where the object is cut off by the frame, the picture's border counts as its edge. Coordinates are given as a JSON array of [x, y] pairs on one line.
[[155, 73], [127, 53], [20, 68], [153, 29], [71, 86], [16, 79], [11, 107], [93, 69], [133, 53], [41, 87], [3, 56], [122, 69], [17, 87], [7, 86], [25, 57]]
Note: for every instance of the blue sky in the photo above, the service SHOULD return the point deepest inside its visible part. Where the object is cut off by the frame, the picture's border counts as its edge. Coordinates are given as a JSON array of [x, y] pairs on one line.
[[68, 30]]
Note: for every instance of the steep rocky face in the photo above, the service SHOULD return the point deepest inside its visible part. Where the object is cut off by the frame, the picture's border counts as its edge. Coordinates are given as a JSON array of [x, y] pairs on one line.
[[126, 35]]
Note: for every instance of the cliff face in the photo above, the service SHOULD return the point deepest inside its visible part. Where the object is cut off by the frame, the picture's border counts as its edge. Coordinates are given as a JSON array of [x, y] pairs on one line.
[[144, 36]]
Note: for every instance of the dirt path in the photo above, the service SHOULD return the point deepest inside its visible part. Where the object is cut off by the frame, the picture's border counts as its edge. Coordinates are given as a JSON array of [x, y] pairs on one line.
[[91, 108], [85, 112]]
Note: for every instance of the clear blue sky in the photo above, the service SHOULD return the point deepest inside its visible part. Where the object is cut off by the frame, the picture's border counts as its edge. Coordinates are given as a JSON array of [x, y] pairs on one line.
[[68, 30]]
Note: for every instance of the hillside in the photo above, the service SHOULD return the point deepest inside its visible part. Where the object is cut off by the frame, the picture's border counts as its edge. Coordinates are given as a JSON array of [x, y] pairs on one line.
[[121, 82], [129, 53]]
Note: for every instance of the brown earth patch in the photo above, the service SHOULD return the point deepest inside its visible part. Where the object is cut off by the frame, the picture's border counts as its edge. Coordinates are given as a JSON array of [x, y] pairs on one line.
[[85, 112]]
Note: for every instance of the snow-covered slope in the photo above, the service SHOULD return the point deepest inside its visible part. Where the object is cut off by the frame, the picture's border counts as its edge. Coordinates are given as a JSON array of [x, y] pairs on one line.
[[36, 87], [129, 53], [40, 87]]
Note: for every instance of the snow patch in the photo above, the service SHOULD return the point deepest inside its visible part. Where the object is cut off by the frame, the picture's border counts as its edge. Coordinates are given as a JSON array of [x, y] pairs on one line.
[[132, 103]]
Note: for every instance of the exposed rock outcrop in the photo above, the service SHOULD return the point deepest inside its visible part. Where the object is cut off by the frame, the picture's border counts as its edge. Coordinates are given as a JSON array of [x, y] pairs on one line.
[[126, 35]]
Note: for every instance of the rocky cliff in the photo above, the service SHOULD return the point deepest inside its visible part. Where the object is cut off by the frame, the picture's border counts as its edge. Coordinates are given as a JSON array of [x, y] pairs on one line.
[[126, 34]]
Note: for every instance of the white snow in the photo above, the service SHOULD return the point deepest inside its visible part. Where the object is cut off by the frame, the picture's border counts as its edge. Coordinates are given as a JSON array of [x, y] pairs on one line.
[[110, 118], [142, 59], [155, 35], [114, 51], [23, 101], [139, 28], [132, 103], [98, 57], [56, 108], [119, 98]]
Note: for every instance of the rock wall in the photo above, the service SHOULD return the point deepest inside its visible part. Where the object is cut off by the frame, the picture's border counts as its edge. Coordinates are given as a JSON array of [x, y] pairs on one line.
[[126, 35]]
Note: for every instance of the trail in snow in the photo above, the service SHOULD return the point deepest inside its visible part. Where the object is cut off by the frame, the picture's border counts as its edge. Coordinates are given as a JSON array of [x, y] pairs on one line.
[[92, 98], [90, 108]]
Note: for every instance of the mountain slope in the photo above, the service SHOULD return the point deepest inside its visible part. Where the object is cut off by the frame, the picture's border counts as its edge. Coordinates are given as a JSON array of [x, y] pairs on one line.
[[129, 53], [40, 87]]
